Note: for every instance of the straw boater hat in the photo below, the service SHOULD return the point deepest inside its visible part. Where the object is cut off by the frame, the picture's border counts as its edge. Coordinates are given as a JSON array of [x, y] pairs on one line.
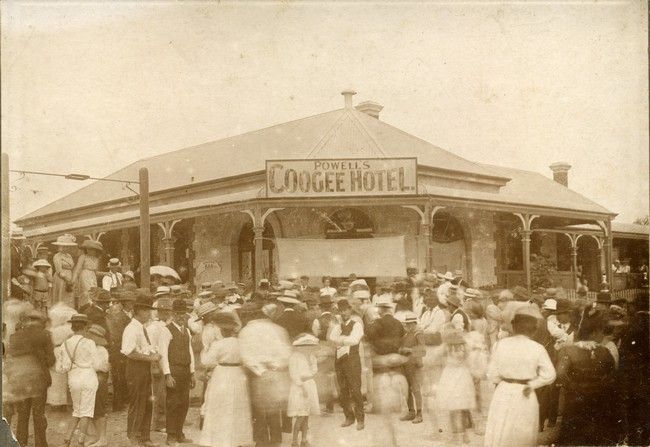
[[384, 300], [550, 304], [41, 263], [78, 318], [205, 309], [283, 284], [359, 283], [472, 293], [447, 276], [164, 303], [114, 262], [97, 334], [305, 340], [162, 290], [206, 294], [103, 296], [94, 245], [129, 274], [66, 240], [289, 297]]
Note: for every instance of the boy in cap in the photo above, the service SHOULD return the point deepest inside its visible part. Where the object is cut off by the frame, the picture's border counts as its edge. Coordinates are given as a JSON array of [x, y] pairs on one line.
[[140, 354], [413, 348], [347, 336], [177, 365]]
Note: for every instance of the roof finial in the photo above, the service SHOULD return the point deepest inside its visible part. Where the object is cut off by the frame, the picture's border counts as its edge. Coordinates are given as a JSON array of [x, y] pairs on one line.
[[348, 94]]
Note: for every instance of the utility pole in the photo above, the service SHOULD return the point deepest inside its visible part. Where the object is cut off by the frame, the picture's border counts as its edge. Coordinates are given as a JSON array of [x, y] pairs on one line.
[[145, 230], [6, 237]]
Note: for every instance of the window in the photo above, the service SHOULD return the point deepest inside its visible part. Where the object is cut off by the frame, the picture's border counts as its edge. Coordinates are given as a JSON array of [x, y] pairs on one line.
[[348, 223], [446, 228]]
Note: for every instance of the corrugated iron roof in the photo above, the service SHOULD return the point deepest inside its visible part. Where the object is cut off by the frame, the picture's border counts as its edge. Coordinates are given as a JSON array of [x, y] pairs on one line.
[[342, 133]]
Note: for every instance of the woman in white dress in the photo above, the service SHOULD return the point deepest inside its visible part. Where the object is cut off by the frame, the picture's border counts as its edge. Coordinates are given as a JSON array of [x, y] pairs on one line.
[[62, 284], [84, 274], [82, 379], [227, 421], [519, 365]]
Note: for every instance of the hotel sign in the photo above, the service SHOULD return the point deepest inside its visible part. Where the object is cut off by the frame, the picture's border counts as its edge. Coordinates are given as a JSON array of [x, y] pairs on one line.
[[341, 177]]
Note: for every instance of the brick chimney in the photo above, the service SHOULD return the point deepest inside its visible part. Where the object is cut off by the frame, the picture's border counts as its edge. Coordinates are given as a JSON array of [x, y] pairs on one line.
[[561, 172], [370, 108]]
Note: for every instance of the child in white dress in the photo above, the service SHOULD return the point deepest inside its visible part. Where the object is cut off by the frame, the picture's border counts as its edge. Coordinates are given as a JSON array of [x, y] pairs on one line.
[[455, 390], [303, 394]]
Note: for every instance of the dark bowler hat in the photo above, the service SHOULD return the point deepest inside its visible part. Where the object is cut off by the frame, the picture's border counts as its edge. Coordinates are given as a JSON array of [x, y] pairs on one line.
[[179, 306], [103, 296], [563, 306], [143, 299]]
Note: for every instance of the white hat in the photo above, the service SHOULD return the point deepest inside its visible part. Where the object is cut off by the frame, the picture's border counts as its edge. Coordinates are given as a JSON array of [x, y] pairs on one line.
[[283, 284], [305, 340], [205, 293], [162, 290], [114, 262], [361, 294], [130, 274], [204, 309], [67, 240], [550, 304], [384, 300], [410, 317], [289, 297], [358, 282], [472, 293], [41, 263], [448, 276]]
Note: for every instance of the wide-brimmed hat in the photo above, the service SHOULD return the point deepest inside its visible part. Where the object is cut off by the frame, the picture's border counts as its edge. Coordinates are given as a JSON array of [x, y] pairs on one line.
[[78, 318], [178, 305], [97, 334], [359, 283], [126, 295], [520, 293], [176, 289], [41, 263], [206, 294], [142, 299], [550, 304], [162, 290], [283, 284], [362, 294], [305, 340], [289, 297], [114, 262], [102, 296], [604, 298], [384, 300], [94, 245], [66, 240], [163, 303], [129, 274], [205, 309]]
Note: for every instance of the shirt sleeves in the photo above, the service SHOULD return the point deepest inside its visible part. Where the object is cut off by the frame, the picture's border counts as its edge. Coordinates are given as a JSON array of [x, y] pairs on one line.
[[545, 370], [128, 340], [164, 337]]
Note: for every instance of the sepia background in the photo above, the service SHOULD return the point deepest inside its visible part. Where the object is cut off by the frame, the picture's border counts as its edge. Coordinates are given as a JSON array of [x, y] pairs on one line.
[[91, 87]]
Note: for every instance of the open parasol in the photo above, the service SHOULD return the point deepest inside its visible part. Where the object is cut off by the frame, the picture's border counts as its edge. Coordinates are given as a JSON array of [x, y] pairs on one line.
[[163, 270]]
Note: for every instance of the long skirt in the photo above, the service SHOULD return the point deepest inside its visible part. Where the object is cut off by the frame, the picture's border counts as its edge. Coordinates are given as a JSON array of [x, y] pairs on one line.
[[61, 291], [513, 419], [228, 421]]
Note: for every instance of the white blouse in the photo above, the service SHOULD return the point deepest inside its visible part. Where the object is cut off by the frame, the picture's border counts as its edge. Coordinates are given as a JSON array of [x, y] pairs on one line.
[[520, 358], [81, 354]]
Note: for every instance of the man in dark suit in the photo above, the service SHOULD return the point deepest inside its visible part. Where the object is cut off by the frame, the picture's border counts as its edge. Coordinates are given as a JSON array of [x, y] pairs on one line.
[[291, 319], [117, 320], [31, 354], [385, 334], [96, 308]]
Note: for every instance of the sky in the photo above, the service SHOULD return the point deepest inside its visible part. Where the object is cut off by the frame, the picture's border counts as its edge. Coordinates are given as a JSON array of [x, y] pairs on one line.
[[91, 87]]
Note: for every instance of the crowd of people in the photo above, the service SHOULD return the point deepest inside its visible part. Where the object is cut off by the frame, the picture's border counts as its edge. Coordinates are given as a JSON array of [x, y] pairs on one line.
[[267, 358]]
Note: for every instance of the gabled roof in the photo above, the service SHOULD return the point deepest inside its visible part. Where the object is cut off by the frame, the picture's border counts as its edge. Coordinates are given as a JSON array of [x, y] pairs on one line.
[[342, 133]]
